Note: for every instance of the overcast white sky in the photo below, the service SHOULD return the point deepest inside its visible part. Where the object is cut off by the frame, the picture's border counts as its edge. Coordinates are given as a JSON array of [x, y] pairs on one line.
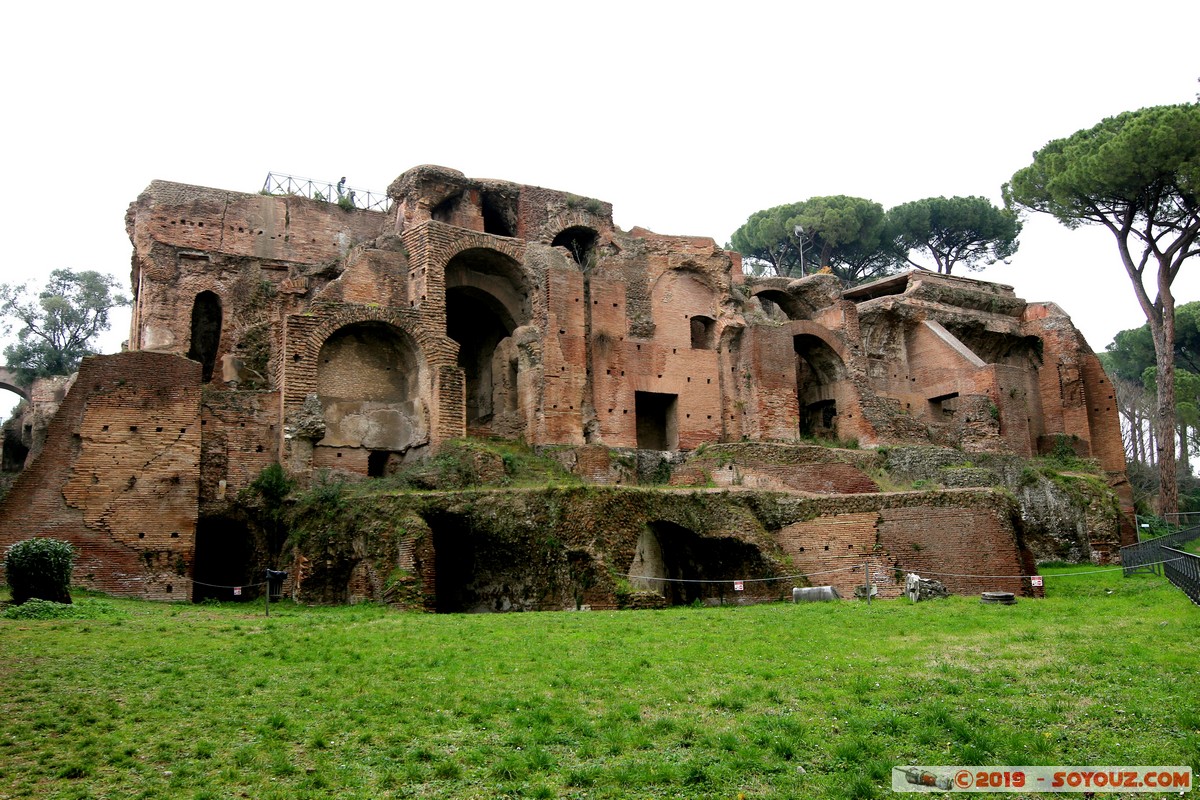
[[688, 117]]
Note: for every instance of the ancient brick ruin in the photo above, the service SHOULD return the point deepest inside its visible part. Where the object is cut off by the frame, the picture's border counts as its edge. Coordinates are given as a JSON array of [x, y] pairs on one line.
[[285, 329]]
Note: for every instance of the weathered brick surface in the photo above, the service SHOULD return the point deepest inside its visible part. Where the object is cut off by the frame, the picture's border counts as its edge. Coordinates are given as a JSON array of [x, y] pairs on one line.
[[836, 551], [240, 438], [119, 476], [966, 539], [804, 468]]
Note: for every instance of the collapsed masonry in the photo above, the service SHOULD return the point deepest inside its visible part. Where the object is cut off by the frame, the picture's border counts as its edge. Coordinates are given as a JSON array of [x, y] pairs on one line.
[[280, 328]]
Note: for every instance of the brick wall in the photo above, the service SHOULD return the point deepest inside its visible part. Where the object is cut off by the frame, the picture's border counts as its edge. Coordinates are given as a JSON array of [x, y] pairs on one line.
[[564, 348], [835, 551], [964, 538], [240, 439], [119, 476], [953, 544]]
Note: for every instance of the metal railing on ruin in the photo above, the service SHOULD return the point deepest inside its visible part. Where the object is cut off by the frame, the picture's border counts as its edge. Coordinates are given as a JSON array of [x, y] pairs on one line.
[[336, 192]]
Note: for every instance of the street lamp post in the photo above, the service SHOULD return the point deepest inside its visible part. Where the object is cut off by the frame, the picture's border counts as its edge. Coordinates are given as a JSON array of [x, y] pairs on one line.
[[798, 231]]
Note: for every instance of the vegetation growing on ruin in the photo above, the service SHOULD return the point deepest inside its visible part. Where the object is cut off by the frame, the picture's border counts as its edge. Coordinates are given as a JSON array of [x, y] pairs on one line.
[[589, 204], [473, 463], [254, 346], [775, 701]]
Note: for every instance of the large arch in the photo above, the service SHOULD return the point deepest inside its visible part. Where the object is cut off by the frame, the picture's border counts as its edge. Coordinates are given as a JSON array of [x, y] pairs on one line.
[[370, 381], [8, 381], [820, 381], [685, 567], [787, 304], [487, 299], [827, 337]]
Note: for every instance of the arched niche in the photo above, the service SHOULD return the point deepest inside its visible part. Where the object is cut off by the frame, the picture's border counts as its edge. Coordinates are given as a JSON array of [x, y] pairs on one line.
[[487, 298], [704, 332], [370, 383], [206, 332], [580, 242]]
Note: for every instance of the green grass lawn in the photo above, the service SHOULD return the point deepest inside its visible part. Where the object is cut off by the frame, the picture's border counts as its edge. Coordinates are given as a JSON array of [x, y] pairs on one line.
[[776, 701]]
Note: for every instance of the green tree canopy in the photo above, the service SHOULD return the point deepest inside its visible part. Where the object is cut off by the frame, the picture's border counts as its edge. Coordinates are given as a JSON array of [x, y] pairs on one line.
[[1138, 175], [846, 234], [768, 237], [57, 328], [954, 230], [1131, 352]]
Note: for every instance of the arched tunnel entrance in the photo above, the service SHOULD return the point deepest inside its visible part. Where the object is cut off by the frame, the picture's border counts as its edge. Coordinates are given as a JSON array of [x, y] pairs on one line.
[[819, 376], [477, 570], [487, 298], [224, 559], [685, 567], [454, 564]]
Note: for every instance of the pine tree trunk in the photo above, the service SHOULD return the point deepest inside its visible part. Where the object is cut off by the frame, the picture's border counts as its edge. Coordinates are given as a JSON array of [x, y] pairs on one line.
[[1185, 464], [1164, 346]]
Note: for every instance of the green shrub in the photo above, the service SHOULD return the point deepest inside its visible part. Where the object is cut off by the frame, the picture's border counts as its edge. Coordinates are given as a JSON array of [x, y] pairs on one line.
[[40, 568], [42, 609], [273, 485], [87, 608]]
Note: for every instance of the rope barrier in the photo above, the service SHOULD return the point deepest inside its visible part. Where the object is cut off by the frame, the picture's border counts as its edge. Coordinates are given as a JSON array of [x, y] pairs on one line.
[[741, 580], [857, 567], [218, 585], [1063, 575]]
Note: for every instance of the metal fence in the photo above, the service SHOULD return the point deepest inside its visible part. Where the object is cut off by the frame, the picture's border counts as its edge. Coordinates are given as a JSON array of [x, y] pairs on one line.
[[1183, 519], [327, 191], [1148, 556], [1183, 570]]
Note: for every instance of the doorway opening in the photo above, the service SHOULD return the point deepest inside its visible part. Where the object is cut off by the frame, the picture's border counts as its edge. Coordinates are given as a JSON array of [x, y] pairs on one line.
[[657, 423], [224, 561]]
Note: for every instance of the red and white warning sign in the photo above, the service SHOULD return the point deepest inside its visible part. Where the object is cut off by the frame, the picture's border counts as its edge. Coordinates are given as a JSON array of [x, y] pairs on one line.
[[738, 587], [1035, 580], [237, 591]]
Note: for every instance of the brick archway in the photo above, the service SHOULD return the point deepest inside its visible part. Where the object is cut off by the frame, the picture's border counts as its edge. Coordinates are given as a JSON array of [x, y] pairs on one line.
[[443, 251], [9, 381], [803, 327], [306, 333]]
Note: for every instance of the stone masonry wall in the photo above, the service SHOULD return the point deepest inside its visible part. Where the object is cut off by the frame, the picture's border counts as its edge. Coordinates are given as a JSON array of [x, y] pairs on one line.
[[547, 549]]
